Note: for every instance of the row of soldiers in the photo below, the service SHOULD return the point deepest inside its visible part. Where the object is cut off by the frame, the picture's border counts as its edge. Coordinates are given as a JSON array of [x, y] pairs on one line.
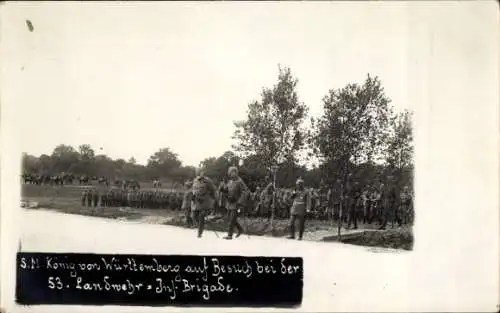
[[117, 197], [366, 204]]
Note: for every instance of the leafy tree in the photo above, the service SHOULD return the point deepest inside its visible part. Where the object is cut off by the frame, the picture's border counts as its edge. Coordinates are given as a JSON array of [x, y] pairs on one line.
[[163, 162], [63, 156], [273, 129], [86, 152], [399, 153], [216, 168], [353, 127], [30, 164]]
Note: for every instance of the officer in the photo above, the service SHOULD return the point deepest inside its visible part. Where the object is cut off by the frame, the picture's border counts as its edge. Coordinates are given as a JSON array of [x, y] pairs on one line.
[[236, 191], [204, 194], [301, 204]]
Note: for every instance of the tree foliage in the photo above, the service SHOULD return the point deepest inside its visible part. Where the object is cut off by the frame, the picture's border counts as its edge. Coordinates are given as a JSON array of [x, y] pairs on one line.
[[356, 133], [353, 127], [273, 129], [399, 149]]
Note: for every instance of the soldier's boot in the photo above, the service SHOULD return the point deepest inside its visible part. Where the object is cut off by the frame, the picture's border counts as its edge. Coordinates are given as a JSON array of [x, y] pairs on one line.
[[200, 228], [232, 224], [302, 224], [239, 229], [383, 223]]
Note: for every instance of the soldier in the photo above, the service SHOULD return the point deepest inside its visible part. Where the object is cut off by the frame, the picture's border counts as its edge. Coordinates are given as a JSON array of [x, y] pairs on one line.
[[222, 196], [406, 205], [90, 196], [267, 202], [301, 205], [236, 191], [84, 197], [352, 193], [187, 202], [389, 197], [375, 200], [364, 199], [95, 199], [204, 197]]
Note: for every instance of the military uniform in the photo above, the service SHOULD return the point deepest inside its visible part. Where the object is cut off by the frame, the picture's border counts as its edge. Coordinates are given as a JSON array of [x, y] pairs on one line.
[[84, 197], [301, 204], [236, 191], [187, 202], [267, 201], [353, 193], [204, 198], [389, 198], [90, 196]]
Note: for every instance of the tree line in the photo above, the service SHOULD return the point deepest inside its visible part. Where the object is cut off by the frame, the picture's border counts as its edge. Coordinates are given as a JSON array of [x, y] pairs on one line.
[[357, 136]]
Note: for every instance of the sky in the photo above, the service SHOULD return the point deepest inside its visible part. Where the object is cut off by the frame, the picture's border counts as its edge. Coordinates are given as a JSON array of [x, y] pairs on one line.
[[131, 78]]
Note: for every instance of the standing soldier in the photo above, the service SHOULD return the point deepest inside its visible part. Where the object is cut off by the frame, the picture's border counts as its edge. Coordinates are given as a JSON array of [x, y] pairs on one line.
[[267, 201], [95, 197], [204, 197], [365, 204], [84, 197], [406, 201], [187, 202], [352, 210], [90, 196], [222, 196], [301, 205], [389, 197], [236, 191]]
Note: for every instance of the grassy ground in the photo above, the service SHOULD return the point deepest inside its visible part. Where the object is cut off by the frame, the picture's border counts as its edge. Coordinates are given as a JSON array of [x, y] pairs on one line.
[[66, 199]]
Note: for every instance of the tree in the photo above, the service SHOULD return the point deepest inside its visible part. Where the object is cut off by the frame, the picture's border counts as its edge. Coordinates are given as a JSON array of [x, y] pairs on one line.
[[63, 157], [163, 163], [132, 160], [353, 127], [273, 130], [86, 152], [216, 168], [30, 164], [399, 153]]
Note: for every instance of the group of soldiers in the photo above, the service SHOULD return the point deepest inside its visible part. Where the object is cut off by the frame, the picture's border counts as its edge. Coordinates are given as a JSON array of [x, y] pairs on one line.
[[366, 204], [134, 198], [234, 196], [351, 204]]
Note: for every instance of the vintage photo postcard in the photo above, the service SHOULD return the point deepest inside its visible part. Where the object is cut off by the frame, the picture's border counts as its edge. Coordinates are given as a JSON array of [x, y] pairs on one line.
[[249, 156]]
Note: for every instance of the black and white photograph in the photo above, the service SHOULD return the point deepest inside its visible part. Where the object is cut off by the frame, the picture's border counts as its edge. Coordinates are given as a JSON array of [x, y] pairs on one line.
[[307, 130]]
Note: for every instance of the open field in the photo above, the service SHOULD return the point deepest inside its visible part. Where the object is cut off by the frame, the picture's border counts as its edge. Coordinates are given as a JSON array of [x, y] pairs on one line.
[[66, 199]]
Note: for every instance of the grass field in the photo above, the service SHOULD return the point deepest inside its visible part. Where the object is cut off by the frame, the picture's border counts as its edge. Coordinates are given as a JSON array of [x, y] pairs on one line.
[[66, 199]]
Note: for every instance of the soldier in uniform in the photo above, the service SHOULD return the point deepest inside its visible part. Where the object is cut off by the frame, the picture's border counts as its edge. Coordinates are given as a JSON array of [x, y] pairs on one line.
[[390, 204], [90, 196], [364, 199], [84, 197], [222, 196], [95, 199], [406, 205], [187, 202], [236, 191], [204, 197], [352, 193], [267, 201], [301, 205]]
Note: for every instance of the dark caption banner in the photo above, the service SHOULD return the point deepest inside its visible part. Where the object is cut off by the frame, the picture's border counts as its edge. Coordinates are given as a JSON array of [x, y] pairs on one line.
[[158, 280]]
